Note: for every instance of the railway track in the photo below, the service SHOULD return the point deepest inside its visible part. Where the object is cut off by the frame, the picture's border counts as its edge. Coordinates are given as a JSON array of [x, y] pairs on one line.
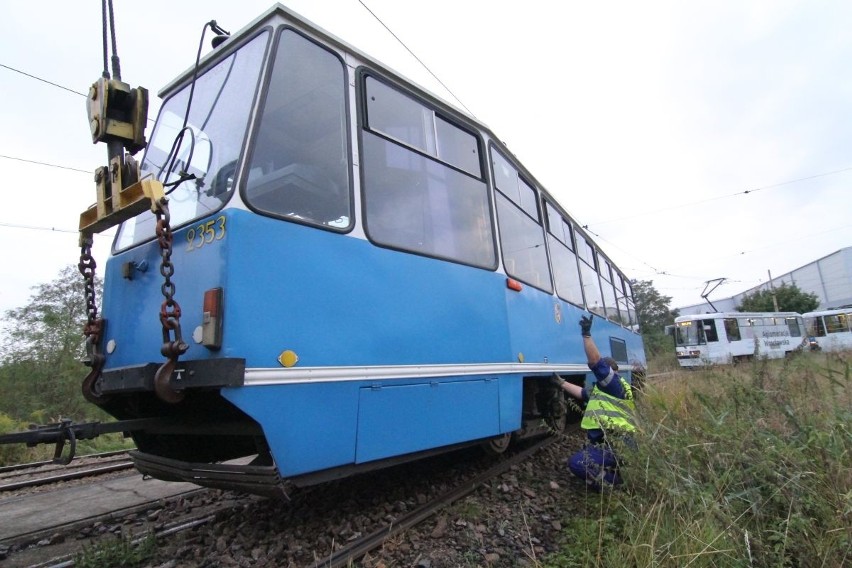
[[219, 508], [358, 548], [5, 469], [37, 474]]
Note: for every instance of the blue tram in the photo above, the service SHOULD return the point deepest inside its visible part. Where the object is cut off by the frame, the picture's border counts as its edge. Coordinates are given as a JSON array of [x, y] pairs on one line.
[[365, 274]]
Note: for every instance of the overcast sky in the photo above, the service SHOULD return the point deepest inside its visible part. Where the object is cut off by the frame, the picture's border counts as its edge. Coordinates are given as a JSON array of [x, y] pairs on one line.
[[697, 140]]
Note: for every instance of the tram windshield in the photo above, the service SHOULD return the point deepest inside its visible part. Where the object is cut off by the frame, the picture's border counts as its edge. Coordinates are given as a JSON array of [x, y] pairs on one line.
[[689, 333], [210, 146]]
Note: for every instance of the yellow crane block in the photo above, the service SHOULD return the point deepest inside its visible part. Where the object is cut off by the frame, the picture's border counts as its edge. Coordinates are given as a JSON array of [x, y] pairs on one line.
[[114, 207]]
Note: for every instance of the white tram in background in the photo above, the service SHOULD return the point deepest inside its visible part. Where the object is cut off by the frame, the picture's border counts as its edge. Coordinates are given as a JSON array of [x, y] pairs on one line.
[[724, 338], [830, 329]]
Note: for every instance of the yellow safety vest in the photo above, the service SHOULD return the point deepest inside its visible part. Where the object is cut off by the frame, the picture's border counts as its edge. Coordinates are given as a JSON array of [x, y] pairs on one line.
[[608, 413]]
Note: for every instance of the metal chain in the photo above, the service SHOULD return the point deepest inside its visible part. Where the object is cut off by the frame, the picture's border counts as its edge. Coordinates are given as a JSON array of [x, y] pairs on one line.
[[87, 268], [170, 309], [94, 325]]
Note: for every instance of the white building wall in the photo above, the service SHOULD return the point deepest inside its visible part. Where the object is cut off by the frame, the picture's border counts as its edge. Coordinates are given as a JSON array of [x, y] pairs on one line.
[[829, 278]]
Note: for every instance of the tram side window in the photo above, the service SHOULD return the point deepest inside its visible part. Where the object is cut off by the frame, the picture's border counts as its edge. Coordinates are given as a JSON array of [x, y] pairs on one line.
[[589, 277], [399, 117], [710, 332], [621, 300], [811, 325], [610, 306], [423, 186], [299, 166], [585, 251], [732, 329], [564, 262], [511, 185], [406, 120], [618, 349], [631, 308], [835, 323], [521, 234], [816, 327], [794, 327], [746, 328]]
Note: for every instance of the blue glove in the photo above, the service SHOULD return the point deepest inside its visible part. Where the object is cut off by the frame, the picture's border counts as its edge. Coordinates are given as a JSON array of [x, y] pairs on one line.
[[586, 326]]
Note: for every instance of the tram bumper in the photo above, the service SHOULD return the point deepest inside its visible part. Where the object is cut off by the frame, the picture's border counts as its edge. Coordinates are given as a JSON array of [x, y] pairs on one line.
[[248, 478], [191, 374]]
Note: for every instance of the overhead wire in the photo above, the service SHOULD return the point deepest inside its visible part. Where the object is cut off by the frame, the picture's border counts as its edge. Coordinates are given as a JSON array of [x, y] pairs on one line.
[[45, 164], [709, 199], [740, 253], [51, 83], [660, 272], [43, 80], [36, 228], [638, 273], [50, 229], [426, 67]]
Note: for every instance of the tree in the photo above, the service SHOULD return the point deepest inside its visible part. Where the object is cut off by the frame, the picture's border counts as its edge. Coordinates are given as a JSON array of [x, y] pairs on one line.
[[652, 308], [654, 314], [790, 299], [41, 351]]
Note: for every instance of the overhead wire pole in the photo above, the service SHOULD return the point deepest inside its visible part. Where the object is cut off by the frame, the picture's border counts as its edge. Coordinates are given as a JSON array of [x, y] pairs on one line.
[[772, 291]]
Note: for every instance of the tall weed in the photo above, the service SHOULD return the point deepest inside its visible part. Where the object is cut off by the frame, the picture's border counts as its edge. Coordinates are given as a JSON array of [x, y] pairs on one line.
[[736, 466]]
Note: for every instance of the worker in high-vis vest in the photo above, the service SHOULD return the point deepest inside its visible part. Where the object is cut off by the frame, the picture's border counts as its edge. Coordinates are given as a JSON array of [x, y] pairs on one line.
[[608, 419]]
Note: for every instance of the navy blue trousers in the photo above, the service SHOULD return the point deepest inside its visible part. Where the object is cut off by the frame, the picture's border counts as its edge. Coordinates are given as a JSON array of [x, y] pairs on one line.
[[597, 465]]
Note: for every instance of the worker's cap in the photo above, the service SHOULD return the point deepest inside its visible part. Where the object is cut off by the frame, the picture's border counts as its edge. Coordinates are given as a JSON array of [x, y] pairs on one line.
[[611, 362]]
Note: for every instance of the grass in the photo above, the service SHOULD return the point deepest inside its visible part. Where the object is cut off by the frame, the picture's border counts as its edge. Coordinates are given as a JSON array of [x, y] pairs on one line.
[[119, 551], [736, 467]]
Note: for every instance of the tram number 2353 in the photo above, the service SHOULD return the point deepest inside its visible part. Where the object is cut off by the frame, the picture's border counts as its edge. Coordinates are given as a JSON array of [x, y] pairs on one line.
[[205, 233]]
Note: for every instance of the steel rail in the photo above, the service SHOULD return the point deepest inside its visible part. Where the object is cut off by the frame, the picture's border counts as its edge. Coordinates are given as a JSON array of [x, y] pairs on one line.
[[33, 465], [358, 548], [67, 560], [66, 476], [60, 469]]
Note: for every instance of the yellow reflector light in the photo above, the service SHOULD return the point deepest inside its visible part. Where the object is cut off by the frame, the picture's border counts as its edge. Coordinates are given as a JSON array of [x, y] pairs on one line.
[[288, 358]]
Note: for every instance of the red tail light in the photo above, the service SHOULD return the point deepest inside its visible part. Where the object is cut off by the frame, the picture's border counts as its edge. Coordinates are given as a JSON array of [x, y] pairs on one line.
[[211, 321]]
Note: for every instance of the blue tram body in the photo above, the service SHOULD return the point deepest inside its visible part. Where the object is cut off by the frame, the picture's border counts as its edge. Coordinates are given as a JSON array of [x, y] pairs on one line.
[[389, 280]]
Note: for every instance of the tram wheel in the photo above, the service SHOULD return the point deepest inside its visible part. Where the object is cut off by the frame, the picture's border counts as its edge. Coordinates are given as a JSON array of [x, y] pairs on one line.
[[498, 445]]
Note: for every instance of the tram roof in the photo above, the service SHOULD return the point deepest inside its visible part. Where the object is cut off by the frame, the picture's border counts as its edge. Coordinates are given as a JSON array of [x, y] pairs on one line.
[[278, 14], [717, 315], [829, 312]]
